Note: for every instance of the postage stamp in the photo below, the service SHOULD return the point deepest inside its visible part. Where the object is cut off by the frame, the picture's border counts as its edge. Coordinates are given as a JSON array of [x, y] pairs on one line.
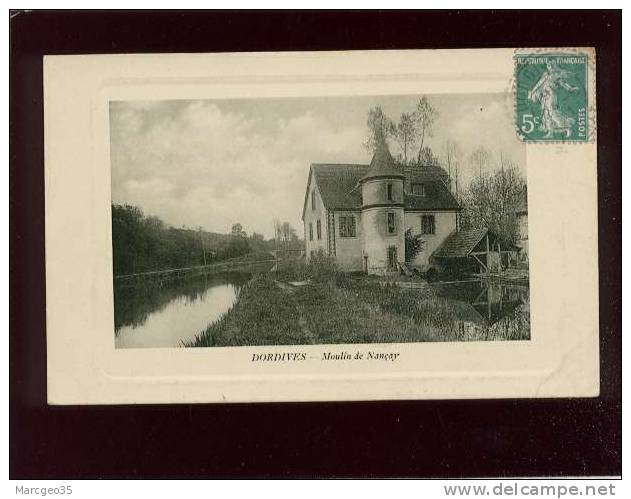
[[551, 98]]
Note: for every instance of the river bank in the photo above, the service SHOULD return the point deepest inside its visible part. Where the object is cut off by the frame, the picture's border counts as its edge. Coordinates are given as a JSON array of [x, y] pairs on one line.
[[271, 311], [254, 261]]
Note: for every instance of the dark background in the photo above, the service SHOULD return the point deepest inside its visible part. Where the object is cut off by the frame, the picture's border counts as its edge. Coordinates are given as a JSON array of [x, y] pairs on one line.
[[378, 439]]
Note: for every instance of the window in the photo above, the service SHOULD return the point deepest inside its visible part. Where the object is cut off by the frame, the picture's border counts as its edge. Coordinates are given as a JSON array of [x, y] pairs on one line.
[[389, 188], [310, 231], [418, 189], [392, 257], [313, 200], [428, 224], [392, 228], [347, 226], [319, 230]]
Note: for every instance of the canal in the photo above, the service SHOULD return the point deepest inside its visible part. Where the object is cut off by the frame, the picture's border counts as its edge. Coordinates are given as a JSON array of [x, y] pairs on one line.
[[168, 314], [158, 315]]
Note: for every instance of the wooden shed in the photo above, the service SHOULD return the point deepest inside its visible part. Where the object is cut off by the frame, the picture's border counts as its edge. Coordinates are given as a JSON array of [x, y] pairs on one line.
[[474, 250]]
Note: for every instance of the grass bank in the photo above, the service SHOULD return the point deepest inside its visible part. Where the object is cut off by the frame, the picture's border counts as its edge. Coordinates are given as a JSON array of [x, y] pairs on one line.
[[271, 312], [337, 308], [261, 316]]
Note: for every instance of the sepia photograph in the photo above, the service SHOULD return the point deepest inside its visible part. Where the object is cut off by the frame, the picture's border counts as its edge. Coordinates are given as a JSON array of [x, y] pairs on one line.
[[318, 220], [395, 220], [315, 244]]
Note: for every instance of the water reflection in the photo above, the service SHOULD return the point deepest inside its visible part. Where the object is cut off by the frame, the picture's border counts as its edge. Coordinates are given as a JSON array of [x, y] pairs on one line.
[[154, 314], [488, 310]]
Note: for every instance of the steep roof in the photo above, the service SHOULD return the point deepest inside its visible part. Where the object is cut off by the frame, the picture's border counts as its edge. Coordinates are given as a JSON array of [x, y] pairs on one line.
[[437, 197], [383, 164], [339, 187], [338, 184], [460, 244], [426, 173]]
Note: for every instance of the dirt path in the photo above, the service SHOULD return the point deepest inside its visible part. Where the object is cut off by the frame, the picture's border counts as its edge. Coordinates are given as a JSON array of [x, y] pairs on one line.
[[285, 287]]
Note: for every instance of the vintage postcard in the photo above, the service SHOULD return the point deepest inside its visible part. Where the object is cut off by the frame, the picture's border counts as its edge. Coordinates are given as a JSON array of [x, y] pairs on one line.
[[321, 226]]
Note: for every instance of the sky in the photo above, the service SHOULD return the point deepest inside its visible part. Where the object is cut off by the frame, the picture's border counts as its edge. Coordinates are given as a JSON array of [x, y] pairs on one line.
[[212, 163]]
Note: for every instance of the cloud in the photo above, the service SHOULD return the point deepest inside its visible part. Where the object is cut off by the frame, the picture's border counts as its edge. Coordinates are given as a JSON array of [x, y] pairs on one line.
[[214, 163], [200, 165]]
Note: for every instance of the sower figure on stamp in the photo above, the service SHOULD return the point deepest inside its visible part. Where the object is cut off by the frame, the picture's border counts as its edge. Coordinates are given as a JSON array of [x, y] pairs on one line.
[[545, 92]]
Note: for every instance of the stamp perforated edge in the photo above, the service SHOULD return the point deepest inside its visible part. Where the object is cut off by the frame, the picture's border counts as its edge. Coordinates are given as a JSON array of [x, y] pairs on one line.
[[590, 53]]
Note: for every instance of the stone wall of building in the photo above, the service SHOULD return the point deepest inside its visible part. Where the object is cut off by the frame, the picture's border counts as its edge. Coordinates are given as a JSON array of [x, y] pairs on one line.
[[376, 191], [444, 225], [312, 215], [348, 250], [377, 240]]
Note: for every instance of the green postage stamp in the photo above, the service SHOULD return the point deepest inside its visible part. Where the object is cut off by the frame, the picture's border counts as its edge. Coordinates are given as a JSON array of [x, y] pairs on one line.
[[552, 97]]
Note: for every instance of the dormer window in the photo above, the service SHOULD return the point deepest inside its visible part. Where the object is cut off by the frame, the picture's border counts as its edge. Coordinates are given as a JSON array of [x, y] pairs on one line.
[[418, 189]]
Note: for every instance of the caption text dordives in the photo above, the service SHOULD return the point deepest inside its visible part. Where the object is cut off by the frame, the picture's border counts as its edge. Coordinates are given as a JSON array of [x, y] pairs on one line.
[[326, 356]]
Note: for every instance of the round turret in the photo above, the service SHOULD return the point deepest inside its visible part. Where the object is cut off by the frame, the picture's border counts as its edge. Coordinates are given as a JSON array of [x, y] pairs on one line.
[[382, 213], [383, 182]]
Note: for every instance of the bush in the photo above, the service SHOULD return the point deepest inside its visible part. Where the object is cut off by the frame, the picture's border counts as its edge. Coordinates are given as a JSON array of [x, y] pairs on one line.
[[292, 270], [413, 245], [322, 268]]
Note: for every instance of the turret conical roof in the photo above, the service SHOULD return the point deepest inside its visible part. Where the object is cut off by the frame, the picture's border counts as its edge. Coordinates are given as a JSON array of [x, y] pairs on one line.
[[382, 164]]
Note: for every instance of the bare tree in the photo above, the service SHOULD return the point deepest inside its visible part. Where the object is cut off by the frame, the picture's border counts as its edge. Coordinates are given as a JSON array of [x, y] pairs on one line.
[[425, 116], [490, 200], [426, 157], [456, 183], [452, 162], [277, 234], [380, 128], [406, 134], [452, 156], [287, 231], [480, 159], [284, 234]]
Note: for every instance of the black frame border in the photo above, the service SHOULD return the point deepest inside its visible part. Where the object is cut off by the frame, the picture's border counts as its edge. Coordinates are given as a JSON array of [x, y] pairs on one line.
[[439, 439]]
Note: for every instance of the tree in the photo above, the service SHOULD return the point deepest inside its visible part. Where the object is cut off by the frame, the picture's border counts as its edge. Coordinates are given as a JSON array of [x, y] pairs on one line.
[[413, 245], [380, 128], [426, 157], [490, 200], [480, 159], [287, 232], [452, 156], [236, 246], [142, 243], [425, 116], [237, 230], [452, 162], [405, 134]]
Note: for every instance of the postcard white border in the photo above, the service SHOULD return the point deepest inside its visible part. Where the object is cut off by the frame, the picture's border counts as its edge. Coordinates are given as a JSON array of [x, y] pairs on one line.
[[84, 367]]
